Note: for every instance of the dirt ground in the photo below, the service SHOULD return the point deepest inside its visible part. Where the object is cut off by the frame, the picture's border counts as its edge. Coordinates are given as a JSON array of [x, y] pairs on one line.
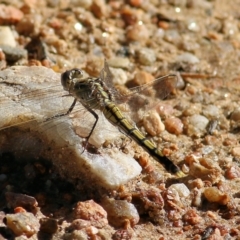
[[198, 126]]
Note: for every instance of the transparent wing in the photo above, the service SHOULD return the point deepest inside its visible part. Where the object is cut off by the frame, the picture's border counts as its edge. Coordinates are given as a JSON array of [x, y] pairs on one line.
[[147, 96], [159, 88]]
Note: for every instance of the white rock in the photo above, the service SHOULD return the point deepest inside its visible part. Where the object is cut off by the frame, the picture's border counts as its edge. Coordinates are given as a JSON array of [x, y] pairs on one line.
[[187, 58], [197, 125], [146, 56], [181, 188], [7, 37], [56, 139]]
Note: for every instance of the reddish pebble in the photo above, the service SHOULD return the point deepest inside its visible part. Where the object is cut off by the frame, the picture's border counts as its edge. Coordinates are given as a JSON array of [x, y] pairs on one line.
[[91, 211], [233, 172], [137, 32], [19, 210], [142, 77], [99, 8], [135, 3], [174, 125], [128, 16], [9, 14], [191, 217], [214, 195]]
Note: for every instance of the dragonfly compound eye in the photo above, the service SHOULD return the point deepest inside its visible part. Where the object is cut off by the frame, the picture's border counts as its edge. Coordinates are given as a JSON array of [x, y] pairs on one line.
[[68, 77]]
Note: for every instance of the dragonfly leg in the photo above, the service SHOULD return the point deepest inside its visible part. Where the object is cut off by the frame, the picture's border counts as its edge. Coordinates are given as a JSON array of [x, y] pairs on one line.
[[94, 125], [64, 114]]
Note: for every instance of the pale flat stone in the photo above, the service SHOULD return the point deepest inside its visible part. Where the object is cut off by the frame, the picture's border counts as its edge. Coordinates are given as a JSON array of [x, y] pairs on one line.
[[28, 95]]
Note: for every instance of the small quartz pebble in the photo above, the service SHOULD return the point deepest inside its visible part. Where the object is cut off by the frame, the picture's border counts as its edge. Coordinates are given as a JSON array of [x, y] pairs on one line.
[[174, 125], [213, 194], [23, 223], [211, 111], [187, 58], [119, 62], [153, 124], [181, 188], [146, 56], [119, 211], [7, 37], [165, 110], [236, 151], [119, 76], [197, 125], [137, 32], [91, 211]]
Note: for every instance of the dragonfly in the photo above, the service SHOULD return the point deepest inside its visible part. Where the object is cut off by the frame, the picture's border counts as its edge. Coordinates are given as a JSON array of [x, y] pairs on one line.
[[100, 94]]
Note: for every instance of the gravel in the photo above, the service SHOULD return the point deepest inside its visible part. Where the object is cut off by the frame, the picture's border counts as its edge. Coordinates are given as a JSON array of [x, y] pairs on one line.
[[196, 126]]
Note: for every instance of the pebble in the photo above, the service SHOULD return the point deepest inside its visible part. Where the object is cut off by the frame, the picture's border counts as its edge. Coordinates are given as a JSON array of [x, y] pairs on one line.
[[119, 62], [146, 56], [23, 223], [192, 109], [197, 125], [98, 8], [48, 225], [192, 217], [128, 16], [26, 26], [18, 199], [211, 111], [86, 4], [135, 3], [13, 54], [79, 224], [137, 32], [119, 211], [119, 76], [9, 15], [236, 151], [142, 77], [232, 172], [153, 123], [214, 195], [235, 115], [181, 188], [165, 110], [172, 36], [91, 211], [174, 125], [7, 37], [187, 58]]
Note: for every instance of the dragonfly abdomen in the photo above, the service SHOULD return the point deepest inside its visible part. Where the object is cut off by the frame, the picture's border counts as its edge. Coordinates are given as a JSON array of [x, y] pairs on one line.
[[114, 115]]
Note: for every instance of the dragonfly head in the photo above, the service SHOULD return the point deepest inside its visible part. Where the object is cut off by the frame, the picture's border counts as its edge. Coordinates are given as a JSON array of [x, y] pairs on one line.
[[68, 77]]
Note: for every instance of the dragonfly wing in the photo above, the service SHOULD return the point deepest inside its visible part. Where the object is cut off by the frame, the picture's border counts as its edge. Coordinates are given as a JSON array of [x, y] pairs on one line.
[[145, 96]]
